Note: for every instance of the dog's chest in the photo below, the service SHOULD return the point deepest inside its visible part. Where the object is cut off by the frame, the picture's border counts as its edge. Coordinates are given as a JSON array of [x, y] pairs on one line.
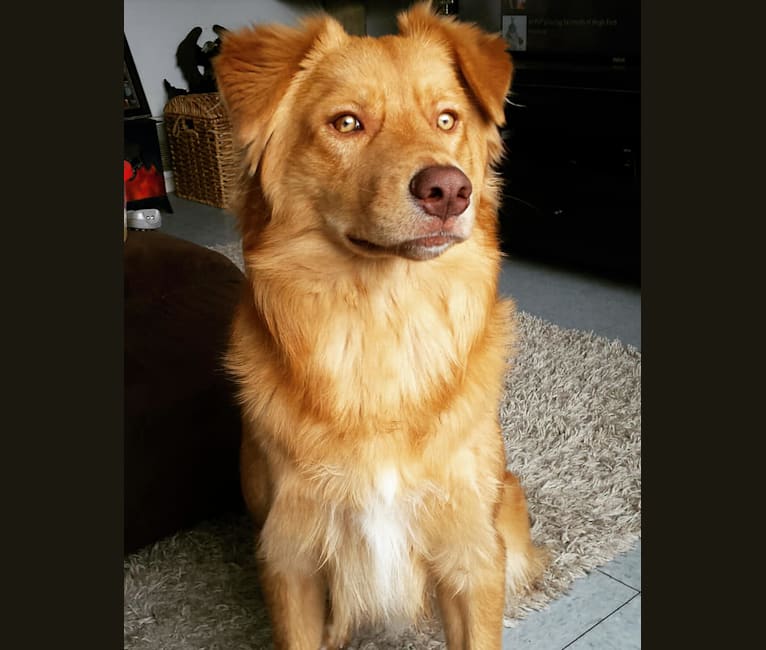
[[386, 356], [384, 525], [376, 565]]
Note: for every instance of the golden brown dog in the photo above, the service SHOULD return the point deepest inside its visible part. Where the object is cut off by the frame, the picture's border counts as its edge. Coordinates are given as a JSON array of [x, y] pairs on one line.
[[370, 345]]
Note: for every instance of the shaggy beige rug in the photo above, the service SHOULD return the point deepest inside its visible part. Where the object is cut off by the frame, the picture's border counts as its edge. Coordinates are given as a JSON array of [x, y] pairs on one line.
[[571, 417]]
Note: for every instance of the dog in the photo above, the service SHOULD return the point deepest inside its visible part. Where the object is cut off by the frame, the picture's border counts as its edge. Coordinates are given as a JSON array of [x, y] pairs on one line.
[[370, 346]]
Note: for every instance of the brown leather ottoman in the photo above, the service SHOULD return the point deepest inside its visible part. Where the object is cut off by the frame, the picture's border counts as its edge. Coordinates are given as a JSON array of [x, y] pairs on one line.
[[182, 424]]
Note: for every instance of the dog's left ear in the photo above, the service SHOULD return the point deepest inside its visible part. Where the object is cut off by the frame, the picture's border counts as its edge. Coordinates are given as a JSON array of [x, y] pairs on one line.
[[257, 65], [481, 57]]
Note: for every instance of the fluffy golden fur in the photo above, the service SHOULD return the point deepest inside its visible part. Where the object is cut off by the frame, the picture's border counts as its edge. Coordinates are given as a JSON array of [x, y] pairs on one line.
[[370, 345]]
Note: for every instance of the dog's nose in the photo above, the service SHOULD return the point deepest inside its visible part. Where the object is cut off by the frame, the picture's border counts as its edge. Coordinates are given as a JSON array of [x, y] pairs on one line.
[[441, 191]]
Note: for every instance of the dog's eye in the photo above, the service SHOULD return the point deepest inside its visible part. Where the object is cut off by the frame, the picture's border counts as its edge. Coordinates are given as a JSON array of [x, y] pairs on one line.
[[446, 121], [347, 123]]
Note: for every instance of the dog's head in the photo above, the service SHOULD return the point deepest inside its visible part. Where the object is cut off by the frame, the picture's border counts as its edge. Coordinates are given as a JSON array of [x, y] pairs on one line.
[[382, 146]]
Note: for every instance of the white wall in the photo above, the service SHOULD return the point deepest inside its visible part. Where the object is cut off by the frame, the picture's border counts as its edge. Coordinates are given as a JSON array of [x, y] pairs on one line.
[[154, 28]]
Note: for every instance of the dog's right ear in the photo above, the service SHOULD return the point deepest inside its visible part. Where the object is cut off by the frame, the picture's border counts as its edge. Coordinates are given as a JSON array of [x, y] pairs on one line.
[[255, 68], [481, 56]]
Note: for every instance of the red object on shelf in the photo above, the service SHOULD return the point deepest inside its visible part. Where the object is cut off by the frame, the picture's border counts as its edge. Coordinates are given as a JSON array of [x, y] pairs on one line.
[[127, 173], [146, 183]]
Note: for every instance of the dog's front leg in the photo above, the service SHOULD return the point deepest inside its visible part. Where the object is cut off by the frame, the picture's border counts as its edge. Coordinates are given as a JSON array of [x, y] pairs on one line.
[[471, 604], [297, 604]]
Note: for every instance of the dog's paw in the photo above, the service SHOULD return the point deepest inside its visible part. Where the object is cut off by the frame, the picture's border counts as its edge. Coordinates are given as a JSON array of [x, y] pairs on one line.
[[333, 638]]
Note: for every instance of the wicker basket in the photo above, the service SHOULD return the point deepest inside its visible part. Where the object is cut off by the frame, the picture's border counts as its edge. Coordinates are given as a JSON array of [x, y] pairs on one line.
[[199, 135]]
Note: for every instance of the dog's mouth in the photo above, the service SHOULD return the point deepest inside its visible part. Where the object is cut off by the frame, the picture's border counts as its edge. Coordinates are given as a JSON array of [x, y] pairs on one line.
[[422, 248]]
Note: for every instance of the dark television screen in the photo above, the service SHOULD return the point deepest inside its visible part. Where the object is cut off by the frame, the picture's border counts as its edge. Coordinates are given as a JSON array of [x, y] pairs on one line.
[[604, 31]]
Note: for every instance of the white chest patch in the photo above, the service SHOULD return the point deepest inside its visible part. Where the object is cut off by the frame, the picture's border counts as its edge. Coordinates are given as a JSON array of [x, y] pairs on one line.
[[384, 524]]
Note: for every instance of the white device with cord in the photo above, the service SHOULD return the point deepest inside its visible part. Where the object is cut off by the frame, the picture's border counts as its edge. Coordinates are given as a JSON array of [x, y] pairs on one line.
[[147, 219]]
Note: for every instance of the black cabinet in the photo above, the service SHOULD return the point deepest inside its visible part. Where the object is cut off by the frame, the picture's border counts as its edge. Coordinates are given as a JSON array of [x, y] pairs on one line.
[[572, 172]]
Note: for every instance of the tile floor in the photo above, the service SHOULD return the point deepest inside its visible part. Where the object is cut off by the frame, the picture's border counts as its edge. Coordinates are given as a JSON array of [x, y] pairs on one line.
[[602, 611]]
